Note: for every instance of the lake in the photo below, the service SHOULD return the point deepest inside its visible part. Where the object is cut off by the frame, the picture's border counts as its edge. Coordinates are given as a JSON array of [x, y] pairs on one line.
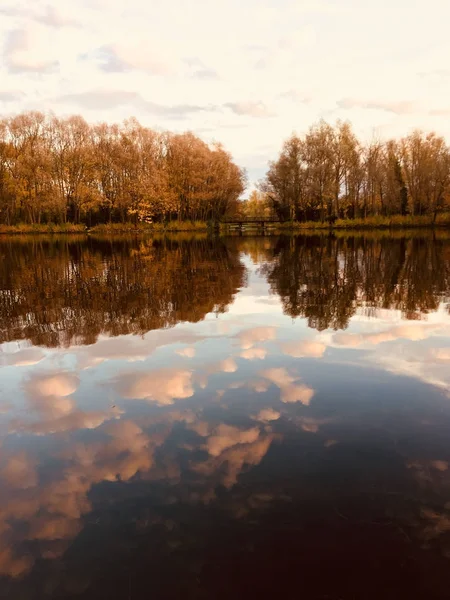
[[214, 418]]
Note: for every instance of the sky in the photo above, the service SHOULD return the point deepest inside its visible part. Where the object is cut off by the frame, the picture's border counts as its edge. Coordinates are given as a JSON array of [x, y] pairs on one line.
[[247, 74]]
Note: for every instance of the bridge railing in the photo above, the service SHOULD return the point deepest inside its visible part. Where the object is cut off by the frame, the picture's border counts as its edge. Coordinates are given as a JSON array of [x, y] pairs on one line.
[[239, 220]]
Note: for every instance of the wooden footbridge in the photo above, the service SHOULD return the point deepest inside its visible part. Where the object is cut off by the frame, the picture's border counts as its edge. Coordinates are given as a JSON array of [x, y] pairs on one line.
[[240, 223]]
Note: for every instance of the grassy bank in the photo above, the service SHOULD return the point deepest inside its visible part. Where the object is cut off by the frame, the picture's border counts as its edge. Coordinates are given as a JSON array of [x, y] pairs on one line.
[[172, 226], [107, 228], [42, 228], [377, 222]]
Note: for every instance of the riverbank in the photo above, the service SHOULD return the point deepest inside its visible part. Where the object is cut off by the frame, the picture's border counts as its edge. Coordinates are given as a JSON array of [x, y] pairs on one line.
[[377, 222], [370, 223], [170, 227], [22, 228], [107, 228]]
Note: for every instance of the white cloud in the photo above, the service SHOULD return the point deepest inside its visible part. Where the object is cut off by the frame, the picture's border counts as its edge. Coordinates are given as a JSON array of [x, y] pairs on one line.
[[127, 56], [412, 331], [442, 354], [248, 89], [27, 51], [250, 109], [188, 352], [254, 353], [268, 414], [249, 337], [53, 408], [65, 418], [230, 450], [22, 358], [52, 384], [399, 108], [228, 365], [226, 436], [290, 388], [304, 348], [162, 387], [132, 348]]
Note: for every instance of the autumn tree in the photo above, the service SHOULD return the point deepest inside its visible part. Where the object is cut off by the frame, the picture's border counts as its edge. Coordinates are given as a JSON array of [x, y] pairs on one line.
[[63, 169], [257, 205], [329, 174]]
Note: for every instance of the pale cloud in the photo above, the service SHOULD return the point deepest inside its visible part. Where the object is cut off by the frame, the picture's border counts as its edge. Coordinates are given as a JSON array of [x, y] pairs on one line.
[[54, 508], [52, 384], [290, 388], [226, 436], [110, 61], [53, 17], [49, 397], [413, 332], [125, 57], [163, 386], [201, 379], [296, 96], [27, 51], [200, 71], [268, 414], [250, 109], [249, 337], [415, 361], [13, 96], [259, 385], [349, 340], [412, 349], [10, 11], [297, 393], [47, 14], [60, 421], [254, 353], [313, 425], [304, 348], [178, 67], [230, 450], [399, 108], [188, 352], [440, 112], [227, 366], [131, 348], [95, 99], [442, 354], [19, 472], [22, 358]]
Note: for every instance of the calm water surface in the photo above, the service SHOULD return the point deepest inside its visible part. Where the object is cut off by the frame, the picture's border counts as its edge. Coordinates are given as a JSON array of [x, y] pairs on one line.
[[232, 418]]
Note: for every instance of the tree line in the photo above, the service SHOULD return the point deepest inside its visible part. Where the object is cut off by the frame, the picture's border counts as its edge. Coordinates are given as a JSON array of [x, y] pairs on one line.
[[64, 170], [328, 173]]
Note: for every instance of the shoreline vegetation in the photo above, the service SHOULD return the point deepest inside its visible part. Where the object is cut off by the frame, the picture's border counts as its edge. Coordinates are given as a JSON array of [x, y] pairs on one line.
[[64, 175], [370, 223]]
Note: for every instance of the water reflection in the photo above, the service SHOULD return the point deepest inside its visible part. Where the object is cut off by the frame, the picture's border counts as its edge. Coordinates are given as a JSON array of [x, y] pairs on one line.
[[66, 292], [207, 418], [326, 279]]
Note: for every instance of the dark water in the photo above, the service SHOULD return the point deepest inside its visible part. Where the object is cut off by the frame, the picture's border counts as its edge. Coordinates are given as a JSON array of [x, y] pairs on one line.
[[232, 418]]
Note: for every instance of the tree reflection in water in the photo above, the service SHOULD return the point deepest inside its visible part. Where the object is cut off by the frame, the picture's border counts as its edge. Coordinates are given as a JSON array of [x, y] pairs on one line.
[[229, 447], [71, 291]]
